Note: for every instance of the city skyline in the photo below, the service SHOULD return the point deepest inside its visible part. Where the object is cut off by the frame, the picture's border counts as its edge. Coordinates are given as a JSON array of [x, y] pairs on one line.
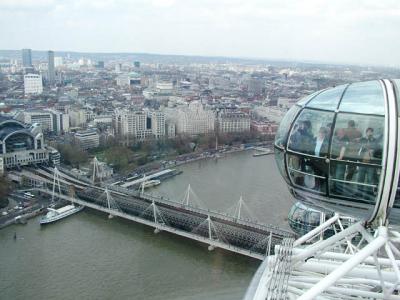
[[308, 31]]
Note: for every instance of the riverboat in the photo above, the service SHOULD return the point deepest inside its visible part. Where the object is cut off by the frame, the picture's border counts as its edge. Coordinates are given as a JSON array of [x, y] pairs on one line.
[[58, 214]]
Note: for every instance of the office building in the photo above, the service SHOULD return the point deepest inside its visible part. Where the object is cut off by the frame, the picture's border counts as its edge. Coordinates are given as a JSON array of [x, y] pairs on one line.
[[233, 121], [87, 139], [140, 124], [51, 76], [131, 79], [50, 120], [26, 58], [77, 117], [194, 119], [157, 124], [33, 84]]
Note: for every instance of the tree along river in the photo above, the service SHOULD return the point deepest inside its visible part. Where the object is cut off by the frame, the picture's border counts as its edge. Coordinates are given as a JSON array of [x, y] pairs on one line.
[[88, 256]]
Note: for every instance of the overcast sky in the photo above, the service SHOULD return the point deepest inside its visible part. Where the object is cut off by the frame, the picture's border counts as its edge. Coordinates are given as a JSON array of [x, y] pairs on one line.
[[349, 31]]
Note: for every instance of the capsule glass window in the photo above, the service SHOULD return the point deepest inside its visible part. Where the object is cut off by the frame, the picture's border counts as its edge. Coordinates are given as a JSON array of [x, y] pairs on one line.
[[364, 97], [280, 162], [284, 127], [309, 173], [311, 133], [358, 138], [328, 100]]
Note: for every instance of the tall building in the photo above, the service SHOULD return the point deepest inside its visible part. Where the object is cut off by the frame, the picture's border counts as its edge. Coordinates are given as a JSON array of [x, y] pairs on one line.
[[33, 84], [26, 58], [51, 72], [158, 124]]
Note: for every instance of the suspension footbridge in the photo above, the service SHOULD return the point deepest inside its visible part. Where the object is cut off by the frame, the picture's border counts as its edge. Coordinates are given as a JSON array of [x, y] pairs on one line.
[[231, 231]]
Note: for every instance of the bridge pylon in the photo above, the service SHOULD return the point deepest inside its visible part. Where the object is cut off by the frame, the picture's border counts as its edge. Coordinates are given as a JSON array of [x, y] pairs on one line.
[[110, 203], [56, 182], [97, 171], [159, 220], [191, 199]]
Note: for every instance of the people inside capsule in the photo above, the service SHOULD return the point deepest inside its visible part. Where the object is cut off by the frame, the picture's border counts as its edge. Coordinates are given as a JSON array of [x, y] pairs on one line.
[[302, 138], [353, 135], [349, 166], [321, 145], [339, 144], [321, 142], [367, 175]]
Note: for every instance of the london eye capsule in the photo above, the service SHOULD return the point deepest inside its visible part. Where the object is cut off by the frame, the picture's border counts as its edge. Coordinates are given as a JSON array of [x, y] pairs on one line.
[[303, 219], [339, 150]]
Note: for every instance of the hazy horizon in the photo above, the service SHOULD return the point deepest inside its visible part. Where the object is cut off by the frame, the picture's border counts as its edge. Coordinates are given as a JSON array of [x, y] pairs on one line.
[[337, 32]]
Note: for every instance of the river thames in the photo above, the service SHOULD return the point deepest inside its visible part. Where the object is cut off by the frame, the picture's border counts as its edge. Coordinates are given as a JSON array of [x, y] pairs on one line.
[[88, 256]]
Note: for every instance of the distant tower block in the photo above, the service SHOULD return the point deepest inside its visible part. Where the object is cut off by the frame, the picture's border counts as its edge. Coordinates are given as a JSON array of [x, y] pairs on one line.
[[51, 71], [26, 58]]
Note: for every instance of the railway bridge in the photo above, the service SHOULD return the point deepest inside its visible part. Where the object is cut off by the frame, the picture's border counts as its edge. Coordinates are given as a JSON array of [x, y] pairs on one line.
[[216, 229]]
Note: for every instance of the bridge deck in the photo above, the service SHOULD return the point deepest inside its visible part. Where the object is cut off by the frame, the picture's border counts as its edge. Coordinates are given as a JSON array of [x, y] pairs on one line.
[[213, 228]]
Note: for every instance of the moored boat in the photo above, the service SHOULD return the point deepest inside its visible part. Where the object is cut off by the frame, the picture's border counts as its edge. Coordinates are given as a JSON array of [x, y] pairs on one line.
[[58, 214], [151, 183]]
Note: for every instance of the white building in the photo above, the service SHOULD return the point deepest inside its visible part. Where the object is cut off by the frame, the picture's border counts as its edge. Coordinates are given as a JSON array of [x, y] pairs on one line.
[[50, 120], [103, 119], [33, 84], [87, 139], [164, 88], [118, 67], [58, 61], [60, 121], [139, 124], [194, 119], [233, 121], [131, 79], [272, 113], [158, 124], [170, 129], [77, 117]]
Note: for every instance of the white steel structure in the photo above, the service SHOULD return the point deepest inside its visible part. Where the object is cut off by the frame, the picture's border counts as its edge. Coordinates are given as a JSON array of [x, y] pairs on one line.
[[352, 174]]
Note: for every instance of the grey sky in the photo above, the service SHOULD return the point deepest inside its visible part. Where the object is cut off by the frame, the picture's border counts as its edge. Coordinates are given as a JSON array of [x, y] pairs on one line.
[[333, 31]]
